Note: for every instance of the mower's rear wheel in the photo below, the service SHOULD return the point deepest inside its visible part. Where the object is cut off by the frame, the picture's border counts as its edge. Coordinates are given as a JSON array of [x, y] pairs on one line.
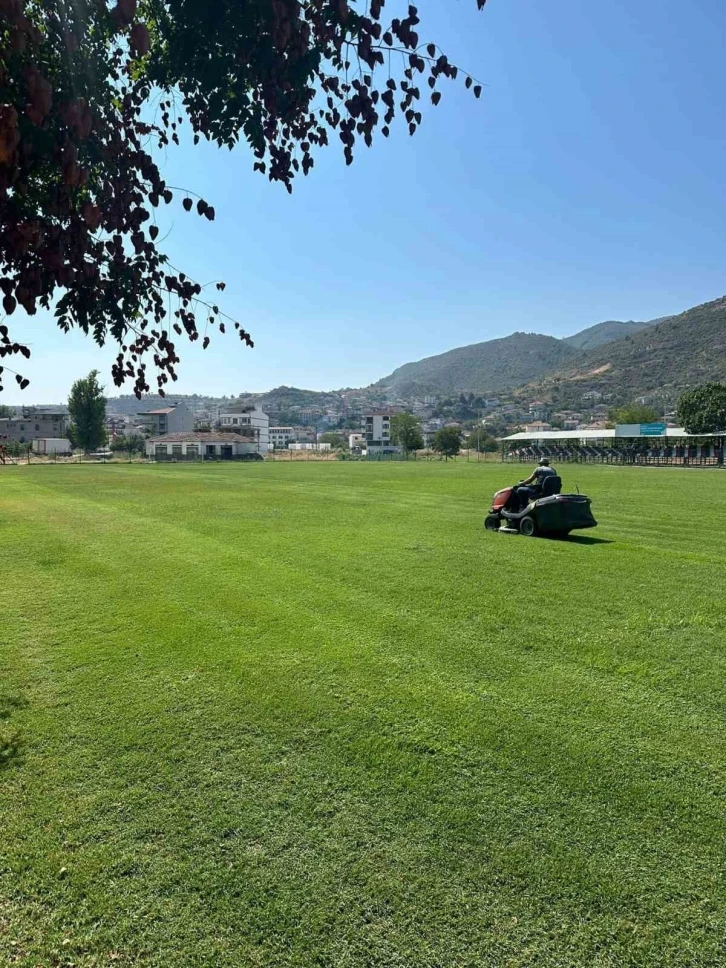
[[492, 522], [527, 526]]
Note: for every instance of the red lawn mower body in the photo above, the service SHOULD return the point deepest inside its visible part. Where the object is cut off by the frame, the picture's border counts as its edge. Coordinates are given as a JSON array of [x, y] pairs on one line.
[[501, 498]]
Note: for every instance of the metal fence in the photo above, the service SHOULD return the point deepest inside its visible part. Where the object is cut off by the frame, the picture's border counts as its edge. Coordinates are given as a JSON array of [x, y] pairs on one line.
[[675, 456]]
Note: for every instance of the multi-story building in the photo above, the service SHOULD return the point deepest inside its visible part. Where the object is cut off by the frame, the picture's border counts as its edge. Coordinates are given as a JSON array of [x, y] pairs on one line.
[[32, 423], [309, 415], [377, 431], [173, 419], [282, 437], [248, 421], [539, 410]]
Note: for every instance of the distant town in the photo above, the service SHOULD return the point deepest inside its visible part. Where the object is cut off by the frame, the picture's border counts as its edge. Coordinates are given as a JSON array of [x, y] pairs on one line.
[[197, 426]]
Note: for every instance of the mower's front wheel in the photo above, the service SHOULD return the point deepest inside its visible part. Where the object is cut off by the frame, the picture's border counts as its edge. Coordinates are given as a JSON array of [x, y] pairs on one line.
[[491, 522], [527, 526]]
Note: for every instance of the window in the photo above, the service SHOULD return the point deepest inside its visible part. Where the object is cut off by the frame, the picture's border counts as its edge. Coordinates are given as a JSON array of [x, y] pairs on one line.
[[37, 426], [160, 450], [192, 450], [176, 450], [235, 420]]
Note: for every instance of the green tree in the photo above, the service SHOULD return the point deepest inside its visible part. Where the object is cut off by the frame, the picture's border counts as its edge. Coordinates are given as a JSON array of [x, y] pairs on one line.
[[5, 411], [406, 431], [703, 409], [633, 413], [482, 441], [336, 441], [131, 444], [87, 410], [447, 442], [92, 94]]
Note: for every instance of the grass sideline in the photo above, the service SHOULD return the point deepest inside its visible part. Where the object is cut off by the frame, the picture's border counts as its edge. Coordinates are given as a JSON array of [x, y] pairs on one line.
[[312, 714]]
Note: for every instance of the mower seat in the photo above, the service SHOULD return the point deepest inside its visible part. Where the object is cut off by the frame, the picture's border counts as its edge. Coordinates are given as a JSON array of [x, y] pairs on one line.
[[551, 485]]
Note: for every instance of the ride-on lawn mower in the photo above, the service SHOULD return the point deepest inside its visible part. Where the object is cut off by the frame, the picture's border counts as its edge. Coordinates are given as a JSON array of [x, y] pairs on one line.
[[550, 513]]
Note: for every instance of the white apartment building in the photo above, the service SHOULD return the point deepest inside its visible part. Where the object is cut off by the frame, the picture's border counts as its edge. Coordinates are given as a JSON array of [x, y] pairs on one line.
[[377, 431], [282, 437], [248, 421]]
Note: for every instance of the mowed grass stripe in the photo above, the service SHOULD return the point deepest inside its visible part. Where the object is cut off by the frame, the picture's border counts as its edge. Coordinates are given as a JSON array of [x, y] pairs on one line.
[[406, 743]]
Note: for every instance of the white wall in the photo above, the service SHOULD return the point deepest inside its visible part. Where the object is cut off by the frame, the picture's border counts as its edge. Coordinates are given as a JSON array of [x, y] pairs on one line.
[[256, 419], [377, 429], [238, 444], [51, 445], [180, 420]]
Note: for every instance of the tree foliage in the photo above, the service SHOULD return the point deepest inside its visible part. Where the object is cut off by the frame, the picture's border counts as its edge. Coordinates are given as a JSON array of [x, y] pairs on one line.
[[406, 431], [482, 442], [447, 442], [703, 409], [130, 444], [634, 413], [78, 186], [336, 441], [87, 410]]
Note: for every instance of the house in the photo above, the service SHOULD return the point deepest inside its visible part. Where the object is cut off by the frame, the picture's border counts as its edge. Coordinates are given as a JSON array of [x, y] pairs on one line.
[[200, 445], [203, 419], [377, 431], [309, 415], [539, 410], [173, 419], [282, 437], [537, 426], [247, 420], [594, 425], [356, 442], [121, 425], [430, 428], [33, 423]]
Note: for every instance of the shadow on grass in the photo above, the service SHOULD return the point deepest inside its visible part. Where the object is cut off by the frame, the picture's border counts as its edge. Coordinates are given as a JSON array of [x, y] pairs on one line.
[[10, 740], [10, 748], [584, 539]]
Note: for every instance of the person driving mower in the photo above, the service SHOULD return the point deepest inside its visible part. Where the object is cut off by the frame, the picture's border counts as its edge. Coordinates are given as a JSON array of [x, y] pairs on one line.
[[525, 492]]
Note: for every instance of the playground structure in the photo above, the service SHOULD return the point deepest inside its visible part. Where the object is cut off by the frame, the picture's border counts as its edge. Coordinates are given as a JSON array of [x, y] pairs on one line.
[[5, 457]]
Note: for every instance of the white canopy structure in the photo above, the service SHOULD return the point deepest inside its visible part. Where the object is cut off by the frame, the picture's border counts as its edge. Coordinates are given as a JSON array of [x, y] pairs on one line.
[[555, 436]]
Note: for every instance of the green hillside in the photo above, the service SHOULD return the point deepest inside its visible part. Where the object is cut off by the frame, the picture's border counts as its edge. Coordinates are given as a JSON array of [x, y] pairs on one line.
[[489, 367], [607, 332], [661, 360]]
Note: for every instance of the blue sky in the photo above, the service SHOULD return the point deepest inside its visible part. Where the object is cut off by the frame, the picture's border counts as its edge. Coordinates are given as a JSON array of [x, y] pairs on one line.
[[586, 184]]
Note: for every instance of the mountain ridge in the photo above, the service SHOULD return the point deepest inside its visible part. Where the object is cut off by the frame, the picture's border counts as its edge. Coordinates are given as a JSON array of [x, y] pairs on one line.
[[491, 366], [663, 360], [609, 331], [619, 360]]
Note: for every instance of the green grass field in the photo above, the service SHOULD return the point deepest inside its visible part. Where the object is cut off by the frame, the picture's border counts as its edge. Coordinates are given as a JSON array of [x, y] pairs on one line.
[[313, 715]]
